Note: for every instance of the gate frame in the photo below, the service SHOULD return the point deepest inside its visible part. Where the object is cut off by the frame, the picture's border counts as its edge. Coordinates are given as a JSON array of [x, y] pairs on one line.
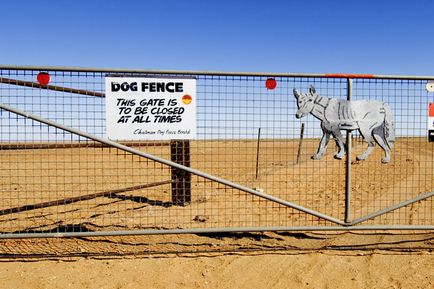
[[182, 169]]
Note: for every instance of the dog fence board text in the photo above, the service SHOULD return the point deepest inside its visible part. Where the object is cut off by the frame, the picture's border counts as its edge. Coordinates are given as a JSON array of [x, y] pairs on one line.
[[141, 108]]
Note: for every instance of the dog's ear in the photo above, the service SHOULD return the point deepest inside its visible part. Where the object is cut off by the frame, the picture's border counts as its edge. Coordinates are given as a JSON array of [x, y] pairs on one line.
[[312, 89], [296, 94]]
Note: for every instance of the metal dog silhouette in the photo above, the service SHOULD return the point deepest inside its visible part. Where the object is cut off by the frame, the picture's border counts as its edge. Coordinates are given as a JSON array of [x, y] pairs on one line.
[[373, 119]]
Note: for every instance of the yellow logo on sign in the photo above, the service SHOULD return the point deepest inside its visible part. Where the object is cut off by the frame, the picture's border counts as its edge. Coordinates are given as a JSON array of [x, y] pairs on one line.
[[186, 99]]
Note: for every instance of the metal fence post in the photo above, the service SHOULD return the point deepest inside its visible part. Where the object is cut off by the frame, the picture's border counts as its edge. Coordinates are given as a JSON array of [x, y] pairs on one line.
[[257, 152], [300, 143], [348, 144], [181, 179]]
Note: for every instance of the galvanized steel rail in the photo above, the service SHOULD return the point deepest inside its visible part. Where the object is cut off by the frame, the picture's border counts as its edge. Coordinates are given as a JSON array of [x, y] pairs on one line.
[[216, 73]]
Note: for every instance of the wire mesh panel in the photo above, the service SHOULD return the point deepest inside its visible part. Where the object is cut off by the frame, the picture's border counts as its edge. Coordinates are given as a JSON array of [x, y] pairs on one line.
[[251, 158], [410, 174]]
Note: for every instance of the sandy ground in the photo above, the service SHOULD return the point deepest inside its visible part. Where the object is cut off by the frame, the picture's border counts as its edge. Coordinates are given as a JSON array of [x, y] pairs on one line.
[[313, 270], [249, 260]]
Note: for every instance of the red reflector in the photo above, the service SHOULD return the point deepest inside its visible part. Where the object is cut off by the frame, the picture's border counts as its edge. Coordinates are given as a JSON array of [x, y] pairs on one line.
[[271, 83], [43, 78], [431, 109]]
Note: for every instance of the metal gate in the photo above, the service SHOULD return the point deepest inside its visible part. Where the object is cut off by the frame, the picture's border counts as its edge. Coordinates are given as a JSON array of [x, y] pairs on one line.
[[248, 169]]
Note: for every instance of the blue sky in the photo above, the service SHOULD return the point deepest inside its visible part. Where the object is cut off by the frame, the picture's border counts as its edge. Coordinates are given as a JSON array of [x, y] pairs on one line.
[[380, 37]]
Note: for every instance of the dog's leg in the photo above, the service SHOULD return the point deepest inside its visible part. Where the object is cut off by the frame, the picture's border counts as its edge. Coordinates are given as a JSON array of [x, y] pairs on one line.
[[367, 136], [380, 138], [323, 144], [340, 142]]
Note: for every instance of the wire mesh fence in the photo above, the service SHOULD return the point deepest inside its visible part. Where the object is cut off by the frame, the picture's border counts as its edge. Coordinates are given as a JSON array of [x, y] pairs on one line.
[[251, 166]]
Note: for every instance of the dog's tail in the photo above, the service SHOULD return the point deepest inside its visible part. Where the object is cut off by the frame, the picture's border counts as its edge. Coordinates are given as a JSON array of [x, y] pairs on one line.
[[389, 126]]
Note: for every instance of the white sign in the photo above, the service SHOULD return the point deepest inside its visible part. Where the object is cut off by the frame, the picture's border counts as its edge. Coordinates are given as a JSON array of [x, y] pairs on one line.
[[139, 108]]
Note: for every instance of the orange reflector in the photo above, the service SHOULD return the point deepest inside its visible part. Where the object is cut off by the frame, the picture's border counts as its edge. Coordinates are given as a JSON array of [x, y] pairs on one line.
[[344, 75]]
